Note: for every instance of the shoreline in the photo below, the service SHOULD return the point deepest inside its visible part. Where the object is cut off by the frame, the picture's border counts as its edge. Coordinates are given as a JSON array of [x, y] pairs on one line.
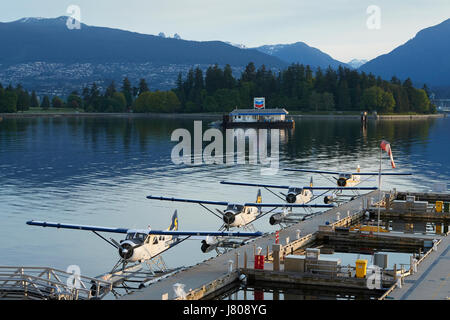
[[213, 115]]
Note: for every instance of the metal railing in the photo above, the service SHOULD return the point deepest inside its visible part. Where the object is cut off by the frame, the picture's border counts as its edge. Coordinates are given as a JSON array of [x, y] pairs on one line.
[[44, 283]]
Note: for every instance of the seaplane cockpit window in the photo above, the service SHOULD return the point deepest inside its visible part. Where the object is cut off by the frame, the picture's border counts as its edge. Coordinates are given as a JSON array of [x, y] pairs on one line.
[[345, 175], [295, 190], [137, 236], [140, 237], [235, 207]]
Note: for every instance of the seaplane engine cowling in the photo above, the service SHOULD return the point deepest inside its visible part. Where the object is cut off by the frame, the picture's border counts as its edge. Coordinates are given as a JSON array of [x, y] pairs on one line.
[[342, 182], [329, 199], [204, 246], [275, 219], [126, 251], [291, 198], [229, 218], [209, 244]]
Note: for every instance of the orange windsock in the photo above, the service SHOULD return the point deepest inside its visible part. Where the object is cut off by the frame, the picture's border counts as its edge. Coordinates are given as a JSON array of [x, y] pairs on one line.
[[386, 146]]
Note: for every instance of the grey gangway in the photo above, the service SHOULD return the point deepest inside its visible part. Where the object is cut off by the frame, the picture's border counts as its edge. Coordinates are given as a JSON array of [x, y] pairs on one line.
[[44, 283]]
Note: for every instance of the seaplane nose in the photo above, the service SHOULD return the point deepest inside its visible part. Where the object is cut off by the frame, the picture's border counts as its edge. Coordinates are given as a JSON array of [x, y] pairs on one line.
[[291, 198], [229, 218], [342, 182], [126, 251]]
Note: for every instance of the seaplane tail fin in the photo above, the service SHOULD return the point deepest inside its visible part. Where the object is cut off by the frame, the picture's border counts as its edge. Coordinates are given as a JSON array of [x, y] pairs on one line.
[[259, 197], [311, 183], [174, 223]]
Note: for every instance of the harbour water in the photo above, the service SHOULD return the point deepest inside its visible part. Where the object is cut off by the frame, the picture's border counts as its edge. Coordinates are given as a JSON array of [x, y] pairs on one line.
[[98, 171]]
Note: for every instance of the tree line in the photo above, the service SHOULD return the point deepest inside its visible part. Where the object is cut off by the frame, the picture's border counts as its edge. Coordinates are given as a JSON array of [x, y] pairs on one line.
[[299, 88], [216, 90]]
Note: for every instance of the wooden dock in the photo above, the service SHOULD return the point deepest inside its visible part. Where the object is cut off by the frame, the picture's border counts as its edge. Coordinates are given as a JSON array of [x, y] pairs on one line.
[[214, 274]]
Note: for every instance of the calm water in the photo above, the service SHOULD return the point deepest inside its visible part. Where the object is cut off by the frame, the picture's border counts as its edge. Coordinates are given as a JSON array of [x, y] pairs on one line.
[[98, 171]]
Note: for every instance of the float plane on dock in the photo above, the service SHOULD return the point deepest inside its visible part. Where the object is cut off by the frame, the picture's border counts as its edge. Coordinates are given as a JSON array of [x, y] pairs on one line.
[[298, 195], [147, 245]]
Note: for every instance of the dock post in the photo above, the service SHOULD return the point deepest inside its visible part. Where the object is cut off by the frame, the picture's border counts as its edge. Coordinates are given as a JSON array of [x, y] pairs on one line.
[[395, 271], [268, 252], [230, 266], [276, 248], [245, 259], [237, 260]]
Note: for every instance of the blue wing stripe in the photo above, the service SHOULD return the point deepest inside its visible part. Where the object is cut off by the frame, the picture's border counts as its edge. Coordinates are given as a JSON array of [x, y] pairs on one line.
[[313, 171], [219, 203], [341, 188], [76, 227], [254, 185], [289, 205], [154, 232], [205, 233], [382, 173]]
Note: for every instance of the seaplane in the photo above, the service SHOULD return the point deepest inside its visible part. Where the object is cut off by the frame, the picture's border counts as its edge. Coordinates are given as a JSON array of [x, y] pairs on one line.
[[241, 215], [298, 195], [147, 245], [347, 180]]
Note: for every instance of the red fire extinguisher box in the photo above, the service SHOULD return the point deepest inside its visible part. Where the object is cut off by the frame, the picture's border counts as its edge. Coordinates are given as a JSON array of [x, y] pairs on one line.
[[259, 262]]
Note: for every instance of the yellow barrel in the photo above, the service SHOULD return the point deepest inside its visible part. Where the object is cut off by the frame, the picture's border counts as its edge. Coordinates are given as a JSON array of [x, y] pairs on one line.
[[439, 205], [361, 268]]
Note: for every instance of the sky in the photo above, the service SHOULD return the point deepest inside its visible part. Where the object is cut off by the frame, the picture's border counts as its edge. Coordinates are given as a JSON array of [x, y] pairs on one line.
[[344, 29]]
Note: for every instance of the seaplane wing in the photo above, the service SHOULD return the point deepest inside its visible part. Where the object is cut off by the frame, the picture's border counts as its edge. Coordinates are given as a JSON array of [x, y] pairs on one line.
[[382, 173], [150, 232], [288, 205], [287, 187], [313, 171], [353, 173], [206, 233], [76, 227], [340, 188], [254, 185], [218, 203]]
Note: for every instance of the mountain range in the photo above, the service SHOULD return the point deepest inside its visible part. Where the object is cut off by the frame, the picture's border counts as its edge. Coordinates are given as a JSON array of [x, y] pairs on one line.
[[424, 58], [300, 52], [43, 54]]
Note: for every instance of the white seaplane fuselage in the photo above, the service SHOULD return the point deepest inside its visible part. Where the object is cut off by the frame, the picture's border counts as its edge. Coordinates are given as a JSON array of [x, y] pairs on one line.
[[140, 246], [348, 180], [236, 215]]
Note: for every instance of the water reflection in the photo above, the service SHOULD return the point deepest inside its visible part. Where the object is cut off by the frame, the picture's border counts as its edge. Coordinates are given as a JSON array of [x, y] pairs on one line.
[[297, 292]]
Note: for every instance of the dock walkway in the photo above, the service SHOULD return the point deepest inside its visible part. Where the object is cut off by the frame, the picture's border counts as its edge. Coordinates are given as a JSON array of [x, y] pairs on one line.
[[213, 274], [432, 280]]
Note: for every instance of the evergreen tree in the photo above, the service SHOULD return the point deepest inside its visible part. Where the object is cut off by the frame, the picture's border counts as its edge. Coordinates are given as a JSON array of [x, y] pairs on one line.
[[45, 103], [34, 100], [127, 91], [143, 87]]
